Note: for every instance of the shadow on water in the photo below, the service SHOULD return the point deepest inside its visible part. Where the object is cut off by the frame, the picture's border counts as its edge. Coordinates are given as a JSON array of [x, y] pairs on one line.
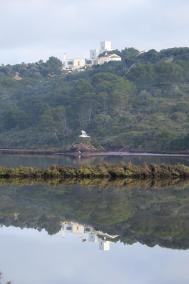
[[150, 213]]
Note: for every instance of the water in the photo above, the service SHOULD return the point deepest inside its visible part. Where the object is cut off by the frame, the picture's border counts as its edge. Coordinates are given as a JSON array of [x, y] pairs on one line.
[[138, 233], [34, 257], [46, 161]]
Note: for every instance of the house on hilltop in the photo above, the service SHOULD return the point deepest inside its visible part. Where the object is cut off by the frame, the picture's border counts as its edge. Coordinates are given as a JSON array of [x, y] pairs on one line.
[[105, 58], [75, 64], [99, 56]]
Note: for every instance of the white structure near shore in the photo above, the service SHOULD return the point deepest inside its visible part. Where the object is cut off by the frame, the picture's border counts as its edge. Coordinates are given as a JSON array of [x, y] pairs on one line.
[[99, 56]]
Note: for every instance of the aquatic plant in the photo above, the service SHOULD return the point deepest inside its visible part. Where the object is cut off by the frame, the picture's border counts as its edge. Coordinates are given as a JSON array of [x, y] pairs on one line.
[[119, 171]]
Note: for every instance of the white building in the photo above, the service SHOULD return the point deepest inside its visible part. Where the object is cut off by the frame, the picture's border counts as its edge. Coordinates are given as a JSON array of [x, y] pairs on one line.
[[93, 54], [75, 64], [102, 59], [97, 57], [105, 46]]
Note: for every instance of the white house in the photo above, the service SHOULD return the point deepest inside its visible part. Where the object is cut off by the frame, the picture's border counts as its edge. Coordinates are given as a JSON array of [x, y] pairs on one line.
[[97, 57], [105, 46], [105, 58], [75, 64], [93, 54]]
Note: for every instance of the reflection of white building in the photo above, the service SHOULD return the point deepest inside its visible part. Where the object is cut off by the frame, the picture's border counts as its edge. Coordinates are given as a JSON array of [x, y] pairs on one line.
[[92, 237], [88, 233], [104, 245], [73, 227]]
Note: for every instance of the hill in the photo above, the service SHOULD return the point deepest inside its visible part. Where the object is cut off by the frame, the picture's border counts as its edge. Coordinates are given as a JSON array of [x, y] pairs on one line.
[[139, 104]]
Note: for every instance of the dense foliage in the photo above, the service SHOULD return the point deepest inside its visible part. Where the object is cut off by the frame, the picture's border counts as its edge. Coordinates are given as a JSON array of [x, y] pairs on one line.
[[139, 104]]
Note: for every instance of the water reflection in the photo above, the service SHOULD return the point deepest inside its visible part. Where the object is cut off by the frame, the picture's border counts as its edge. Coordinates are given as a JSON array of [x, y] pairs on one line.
[[88, 233], [46, 161], [134, 213], [76, 234]]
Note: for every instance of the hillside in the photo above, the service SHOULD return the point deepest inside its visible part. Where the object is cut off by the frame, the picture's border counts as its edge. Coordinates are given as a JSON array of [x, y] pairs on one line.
[[140, 104]]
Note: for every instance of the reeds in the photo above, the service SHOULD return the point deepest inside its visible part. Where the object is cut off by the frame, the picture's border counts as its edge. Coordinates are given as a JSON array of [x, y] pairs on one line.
[[120, 171]]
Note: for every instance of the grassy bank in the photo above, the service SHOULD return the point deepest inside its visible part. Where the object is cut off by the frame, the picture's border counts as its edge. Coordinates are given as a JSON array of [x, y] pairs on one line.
[[121, 171]]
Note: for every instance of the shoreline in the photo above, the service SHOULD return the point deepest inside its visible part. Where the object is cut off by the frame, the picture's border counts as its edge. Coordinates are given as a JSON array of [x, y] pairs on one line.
[[90, 154], [111, 172]]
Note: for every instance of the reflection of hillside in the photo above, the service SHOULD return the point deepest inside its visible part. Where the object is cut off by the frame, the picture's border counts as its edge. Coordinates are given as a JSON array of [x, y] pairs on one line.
[[150, 216]]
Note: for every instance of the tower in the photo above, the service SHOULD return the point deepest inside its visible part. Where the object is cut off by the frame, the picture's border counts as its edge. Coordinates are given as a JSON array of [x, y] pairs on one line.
[[105, 46], [93, 54], [65, 62]]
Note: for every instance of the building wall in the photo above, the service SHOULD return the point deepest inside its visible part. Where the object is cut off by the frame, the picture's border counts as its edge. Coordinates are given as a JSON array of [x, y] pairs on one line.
[[93, 54], [109, 58], [105, 46], [81, 63], [75, 64], [78, 63]]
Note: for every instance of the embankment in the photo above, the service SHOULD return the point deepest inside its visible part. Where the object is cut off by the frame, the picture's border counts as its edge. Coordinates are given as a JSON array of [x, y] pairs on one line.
[[121, 171]]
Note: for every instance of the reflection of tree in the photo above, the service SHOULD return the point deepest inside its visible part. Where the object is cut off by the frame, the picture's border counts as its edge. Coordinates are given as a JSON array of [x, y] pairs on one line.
[[135, 212], [1, 279]]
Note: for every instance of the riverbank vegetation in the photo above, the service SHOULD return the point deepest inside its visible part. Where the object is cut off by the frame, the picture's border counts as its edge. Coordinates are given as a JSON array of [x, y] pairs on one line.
[[105, 171], [103, 183], [139, 104]]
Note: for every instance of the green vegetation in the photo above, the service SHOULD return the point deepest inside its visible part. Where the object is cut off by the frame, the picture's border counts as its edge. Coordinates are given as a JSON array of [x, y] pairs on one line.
[[129, 171], [140, 104]]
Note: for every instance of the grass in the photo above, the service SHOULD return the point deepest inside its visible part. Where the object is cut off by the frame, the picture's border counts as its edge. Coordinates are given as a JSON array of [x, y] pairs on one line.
[[120, 171]]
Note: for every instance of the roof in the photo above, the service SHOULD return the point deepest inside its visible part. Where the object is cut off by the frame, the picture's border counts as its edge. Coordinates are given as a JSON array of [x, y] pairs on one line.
[[114, 55], [110, 55]]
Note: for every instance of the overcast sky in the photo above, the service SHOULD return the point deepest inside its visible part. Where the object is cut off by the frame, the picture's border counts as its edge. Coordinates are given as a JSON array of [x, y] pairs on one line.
[[36, 29]]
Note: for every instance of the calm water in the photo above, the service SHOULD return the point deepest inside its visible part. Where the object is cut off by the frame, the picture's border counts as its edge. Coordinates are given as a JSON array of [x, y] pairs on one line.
[[45, 161], [76, 234]]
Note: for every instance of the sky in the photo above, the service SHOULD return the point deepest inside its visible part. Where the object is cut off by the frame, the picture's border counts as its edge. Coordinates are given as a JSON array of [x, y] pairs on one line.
[[31, 30]]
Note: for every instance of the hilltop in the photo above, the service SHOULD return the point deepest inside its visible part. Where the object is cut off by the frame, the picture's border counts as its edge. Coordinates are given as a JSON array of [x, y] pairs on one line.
[[139, 104]]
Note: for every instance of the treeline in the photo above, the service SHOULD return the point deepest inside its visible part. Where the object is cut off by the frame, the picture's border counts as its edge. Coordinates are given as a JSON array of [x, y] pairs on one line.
[[139, 104], [41, 69]]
